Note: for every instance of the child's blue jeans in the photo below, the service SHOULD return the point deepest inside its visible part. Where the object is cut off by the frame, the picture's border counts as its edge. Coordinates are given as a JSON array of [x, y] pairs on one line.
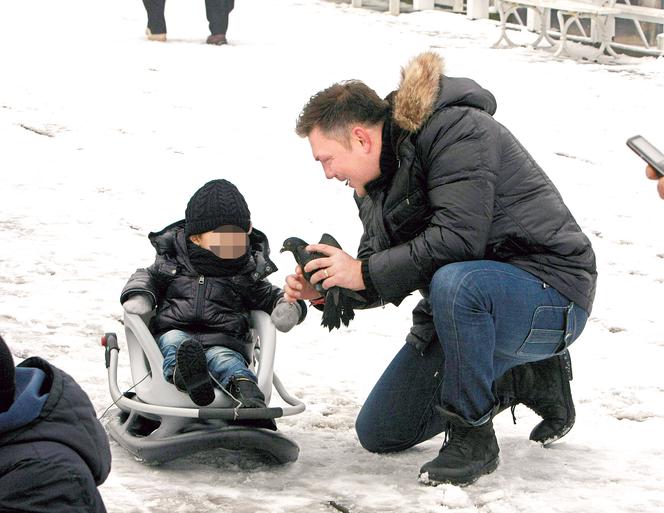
[[223, 363], [489, 317]]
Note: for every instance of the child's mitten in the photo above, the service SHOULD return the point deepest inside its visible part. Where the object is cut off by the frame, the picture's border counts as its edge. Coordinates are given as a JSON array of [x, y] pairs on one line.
[[138, 304], [286, 315]]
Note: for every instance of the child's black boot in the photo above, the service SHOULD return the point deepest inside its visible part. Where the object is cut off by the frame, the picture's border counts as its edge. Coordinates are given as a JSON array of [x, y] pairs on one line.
[[192, 371], [247, 393]]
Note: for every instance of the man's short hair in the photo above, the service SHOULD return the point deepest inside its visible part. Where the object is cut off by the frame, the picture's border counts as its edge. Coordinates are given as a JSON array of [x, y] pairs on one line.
[[335, 109]]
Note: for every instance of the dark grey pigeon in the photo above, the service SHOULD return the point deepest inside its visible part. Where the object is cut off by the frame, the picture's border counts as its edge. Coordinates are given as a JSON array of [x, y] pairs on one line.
[[339, 301]]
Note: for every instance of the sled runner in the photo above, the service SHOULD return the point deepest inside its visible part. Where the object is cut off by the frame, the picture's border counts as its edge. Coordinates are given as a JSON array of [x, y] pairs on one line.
[[157, 423]]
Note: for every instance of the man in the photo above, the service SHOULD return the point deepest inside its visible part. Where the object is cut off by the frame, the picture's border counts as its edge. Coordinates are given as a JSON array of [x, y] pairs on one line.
[[453, 206], [53, 450]]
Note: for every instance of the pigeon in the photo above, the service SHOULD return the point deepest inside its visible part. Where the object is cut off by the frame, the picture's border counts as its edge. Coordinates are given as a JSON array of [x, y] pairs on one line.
[[338, 300]]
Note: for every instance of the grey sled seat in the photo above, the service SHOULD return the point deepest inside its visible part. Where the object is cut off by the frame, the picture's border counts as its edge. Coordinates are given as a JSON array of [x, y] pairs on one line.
[[157, 423]]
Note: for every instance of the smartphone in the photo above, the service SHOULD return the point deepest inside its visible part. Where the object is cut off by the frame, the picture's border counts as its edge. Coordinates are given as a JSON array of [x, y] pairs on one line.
[[647, 152]]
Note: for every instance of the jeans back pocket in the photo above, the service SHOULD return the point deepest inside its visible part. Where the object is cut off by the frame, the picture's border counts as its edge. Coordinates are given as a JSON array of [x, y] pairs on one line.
[[547, 331]]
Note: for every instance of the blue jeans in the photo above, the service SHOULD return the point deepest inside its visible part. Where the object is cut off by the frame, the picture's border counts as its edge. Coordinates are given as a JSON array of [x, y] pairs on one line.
[[223, 363], [489, 317]]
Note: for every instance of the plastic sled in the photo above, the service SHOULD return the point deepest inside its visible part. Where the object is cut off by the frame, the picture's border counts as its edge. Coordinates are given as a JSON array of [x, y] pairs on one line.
[[157, 423]]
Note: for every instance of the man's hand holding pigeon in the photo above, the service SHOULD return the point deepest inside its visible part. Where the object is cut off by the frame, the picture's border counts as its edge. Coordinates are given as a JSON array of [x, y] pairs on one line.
[[336, 269]]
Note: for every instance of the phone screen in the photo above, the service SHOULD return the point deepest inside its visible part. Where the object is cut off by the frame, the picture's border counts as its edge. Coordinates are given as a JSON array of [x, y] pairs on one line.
[[647, 152], [649, 149]]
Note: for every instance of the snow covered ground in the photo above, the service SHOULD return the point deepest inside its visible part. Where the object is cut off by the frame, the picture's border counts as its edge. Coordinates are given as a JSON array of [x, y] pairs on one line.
[[104, 136]]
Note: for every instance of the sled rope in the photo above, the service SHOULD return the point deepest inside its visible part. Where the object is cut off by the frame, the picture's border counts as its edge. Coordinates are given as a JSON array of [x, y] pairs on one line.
[[126, 391]]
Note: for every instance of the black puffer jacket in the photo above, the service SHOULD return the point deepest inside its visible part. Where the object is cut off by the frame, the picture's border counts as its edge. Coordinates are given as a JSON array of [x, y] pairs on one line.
[[456, 185], [215, 309], [53, 462]]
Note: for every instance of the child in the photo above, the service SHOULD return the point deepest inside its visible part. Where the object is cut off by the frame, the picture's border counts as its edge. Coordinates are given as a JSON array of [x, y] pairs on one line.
[[208, 275]]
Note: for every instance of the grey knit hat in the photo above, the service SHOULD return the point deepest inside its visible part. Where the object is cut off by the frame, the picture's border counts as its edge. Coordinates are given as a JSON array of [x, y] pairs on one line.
[[217, 203]]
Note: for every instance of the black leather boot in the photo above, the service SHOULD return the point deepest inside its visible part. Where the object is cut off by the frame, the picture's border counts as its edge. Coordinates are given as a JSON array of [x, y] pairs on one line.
[[247, 393], [543, 387], [467, 453]]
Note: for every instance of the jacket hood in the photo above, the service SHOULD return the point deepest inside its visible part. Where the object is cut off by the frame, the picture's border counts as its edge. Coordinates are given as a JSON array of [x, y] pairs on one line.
[[424, 88], [28, 402], [171, 241]]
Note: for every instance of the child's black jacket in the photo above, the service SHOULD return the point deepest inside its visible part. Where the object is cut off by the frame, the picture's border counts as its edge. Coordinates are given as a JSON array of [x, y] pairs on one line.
[[215, 310]]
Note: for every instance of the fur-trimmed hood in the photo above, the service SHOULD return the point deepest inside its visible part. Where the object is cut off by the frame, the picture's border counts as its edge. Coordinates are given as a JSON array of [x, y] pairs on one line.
[[424, 89]]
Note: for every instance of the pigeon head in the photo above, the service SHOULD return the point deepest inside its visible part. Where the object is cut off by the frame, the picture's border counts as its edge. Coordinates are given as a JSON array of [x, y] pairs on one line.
[[291, 243]]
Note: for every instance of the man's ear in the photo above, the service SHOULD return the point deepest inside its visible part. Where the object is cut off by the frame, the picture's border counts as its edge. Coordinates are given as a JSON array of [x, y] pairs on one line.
[[362, 136], [251, 227], [196, 239]]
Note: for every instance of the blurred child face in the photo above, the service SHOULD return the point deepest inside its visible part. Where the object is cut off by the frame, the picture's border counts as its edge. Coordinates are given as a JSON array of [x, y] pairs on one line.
[[226, 241]]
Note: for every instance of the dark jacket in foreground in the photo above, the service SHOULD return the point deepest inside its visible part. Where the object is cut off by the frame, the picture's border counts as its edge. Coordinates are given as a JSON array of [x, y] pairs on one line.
[[216, 310], [53, 450], [456, 185]]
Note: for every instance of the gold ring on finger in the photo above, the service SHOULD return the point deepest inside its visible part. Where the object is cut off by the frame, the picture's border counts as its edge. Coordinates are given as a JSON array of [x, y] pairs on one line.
[[326, 274]]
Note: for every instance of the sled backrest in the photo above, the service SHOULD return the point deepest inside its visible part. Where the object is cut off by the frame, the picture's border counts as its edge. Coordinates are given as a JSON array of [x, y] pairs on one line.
[[146, 359]]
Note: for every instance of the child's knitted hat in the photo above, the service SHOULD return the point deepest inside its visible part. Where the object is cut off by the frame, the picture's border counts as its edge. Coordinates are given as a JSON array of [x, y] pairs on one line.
[[217, 203]]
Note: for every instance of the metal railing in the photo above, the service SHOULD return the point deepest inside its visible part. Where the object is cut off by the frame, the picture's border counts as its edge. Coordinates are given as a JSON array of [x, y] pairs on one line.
[[639, 28]]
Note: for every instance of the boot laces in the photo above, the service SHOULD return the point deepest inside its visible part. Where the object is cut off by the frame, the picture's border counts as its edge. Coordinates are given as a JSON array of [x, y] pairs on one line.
[[455, 440]]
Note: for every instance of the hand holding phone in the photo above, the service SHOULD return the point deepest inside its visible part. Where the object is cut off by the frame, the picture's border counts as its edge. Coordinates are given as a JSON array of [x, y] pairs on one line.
[[647, 152]]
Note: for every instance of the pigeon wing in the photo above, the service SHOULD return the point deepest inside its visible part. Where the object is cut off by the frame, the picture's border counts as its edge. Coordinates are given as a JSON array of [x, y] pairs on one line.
[[326, 238]]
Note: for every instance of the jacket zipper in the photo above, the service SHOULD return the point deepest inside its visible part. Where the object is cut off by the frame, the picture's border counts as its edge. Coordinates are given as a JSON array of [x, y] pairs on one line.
[[401, 139], [407, 185], [200, 296]]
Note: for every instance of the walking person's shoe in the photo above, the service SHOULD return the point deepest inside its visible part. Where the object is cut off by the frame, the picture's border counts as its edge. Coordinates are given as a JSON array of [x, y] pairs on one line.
[[468, 453], [217, 39], [192, 371], [544, 387], [155, 37], [247, 393]]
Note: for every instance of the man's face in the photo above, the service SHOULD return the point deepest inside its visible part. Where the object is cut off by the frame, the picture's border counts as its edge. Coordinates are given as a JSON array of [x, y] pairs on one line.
[[226, 241], [354, 164]]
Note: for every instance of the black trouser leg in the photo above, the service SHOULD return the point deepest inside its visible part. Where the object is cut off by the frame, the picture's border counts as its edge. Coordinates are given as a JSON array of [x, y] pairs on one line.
[[156, 19], [217, 12]]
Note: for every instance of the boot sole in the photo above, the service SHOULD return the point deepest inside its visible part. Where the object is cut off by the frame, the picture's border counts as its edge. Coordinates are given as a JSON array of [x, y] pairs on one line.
[[462, 480], [256, 423], [192, 366]]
